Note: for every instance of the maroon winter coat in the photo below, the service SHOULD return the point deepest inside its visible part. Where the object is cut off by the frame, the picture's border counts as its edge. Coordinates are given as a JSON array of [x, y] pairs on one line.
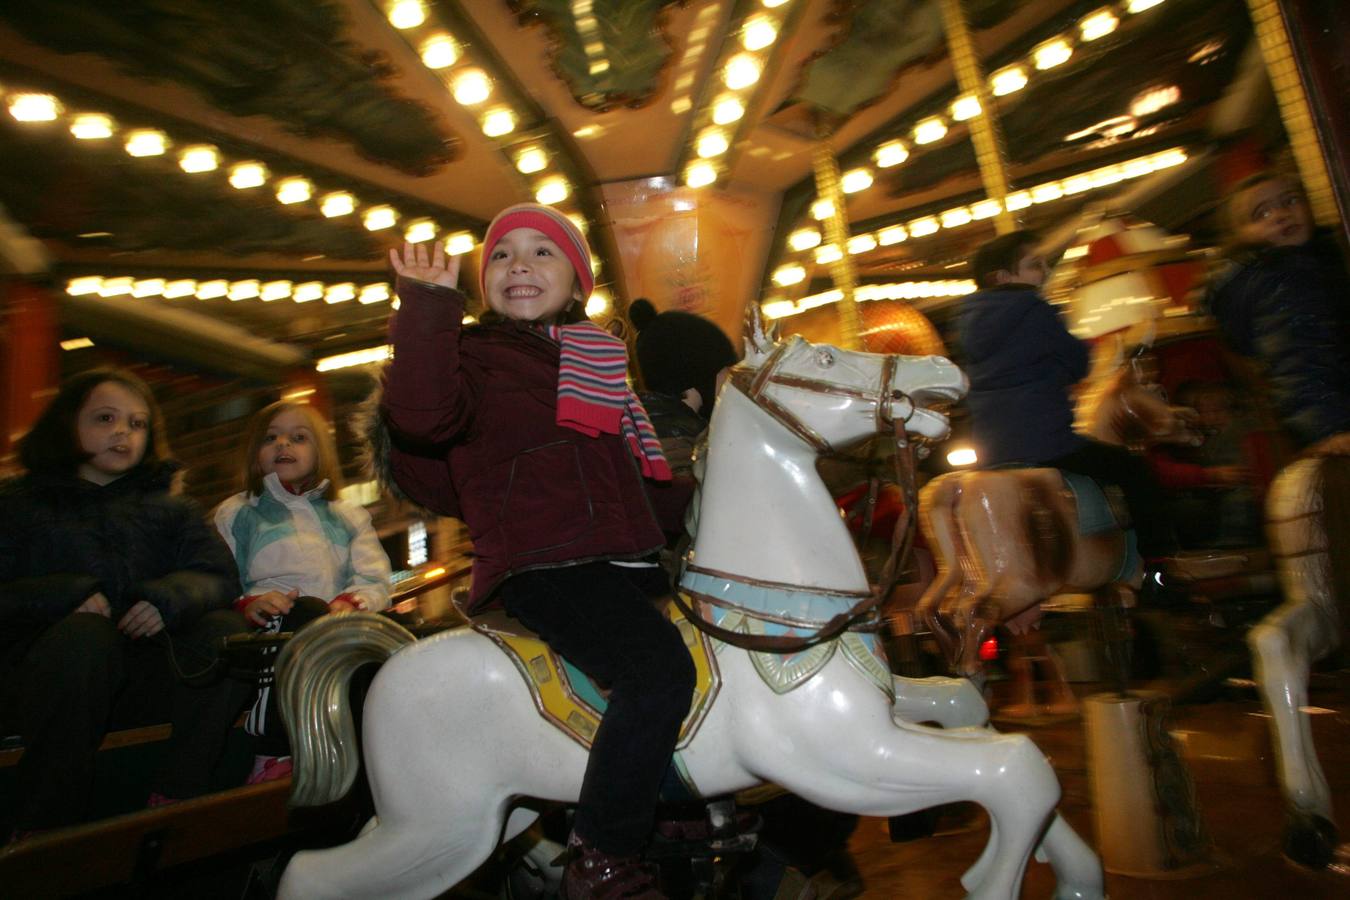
[[472, 419]]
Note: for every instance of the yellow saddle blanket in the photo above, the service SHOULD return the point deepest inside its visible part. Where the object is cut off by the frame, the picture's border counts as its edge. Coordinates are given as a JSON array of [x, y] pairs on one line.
[[567, 697]]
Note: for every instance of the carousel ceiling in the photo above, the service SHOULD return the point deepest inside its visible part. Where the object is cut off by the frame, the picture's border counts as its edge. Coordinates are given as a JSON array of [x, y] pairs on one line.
[[257, 153]]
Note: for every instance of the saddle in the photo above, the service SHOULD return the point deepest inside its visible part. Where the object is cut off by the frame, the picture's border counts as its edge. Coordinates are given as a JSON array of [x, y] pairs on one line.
[[573, 703]]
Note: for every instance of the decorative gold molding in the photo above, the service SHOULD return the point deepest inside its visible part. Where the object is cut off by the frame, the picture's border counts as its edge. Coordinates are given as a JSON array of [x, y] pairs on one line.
[[1272, 33], [836, 233], [984, 132]]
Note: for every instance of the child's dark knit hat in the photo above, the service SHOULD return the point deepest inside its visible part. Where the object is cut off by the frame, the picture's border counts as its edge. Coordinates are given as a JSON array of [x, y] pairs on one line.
[[677, 351], [559, 229]]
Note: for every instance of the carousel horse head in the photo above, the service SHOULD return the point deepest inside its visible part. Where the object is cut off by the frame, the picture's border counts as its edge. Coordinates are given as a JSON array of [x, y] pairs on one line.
[[832, 397]]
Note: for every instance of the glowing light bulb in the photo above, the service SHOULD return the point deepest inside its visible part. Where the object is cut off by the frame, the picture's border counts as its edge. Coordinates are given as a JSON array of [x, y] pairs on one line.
[[895, 234], [92, 127], [378, 218], [146, 142], [531, 160], [552, 190], [712, 142], [294, 190], [339, 293], [338, 203], [420, 230], [891, 153], [407, 13], [727, 110], [804, 239], [439, 52], [1008, 81], [310, 290], [965, 107], [199, 158], [759, 32], [1098, 25], [1052, 53], [459, 243], [855, 180], [34, 107], [742, 71], [789, 274], [213, 289], [822, 209], [183, 287], [700, 174], [498, 122], [373, 293], [274, 290], [247, 175], [862, 243], [828, 254], [930, 130], [471, 87]]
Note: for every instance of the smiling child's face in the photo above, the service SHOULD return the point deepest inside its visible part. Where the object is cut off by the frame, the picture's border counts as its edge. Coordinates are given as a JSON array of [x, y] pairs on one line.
[[528, 277], [289, 447]]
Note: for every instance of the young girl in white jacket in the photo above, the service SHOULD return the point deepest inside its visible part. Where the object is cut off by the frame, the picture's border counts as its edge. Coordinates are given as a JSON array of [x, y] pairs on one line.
[[302, 552]]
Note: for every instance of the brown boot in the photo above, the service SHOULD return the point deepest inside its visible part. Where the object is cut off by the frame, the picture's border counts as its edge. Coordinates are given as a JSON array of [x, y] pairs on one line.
[[592, 874]]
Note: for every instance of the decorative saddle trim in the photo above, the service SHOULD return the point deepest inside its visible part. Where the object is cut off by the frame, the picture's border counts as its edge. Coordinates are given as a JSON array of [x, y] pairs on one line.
[[784, 672], [565, 696]]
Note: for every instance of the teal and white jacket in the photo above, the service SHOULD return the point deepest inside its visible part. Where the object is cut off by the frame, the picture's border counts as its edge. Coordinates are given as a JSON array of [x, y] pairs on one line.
[[322, 548]]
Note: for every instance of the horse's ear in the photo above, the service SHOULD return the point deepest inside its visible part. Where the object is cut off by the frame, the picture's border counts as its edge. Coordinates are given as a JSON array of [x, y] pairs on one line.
[[758, 341]]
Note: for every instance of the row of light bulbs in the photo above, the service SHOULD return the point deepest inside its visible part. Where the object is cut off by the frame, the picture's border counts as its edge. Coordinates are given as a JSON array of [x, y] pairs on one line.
[[1008, 80], [472, 87], [898, 290], [740, 71], [196, 159], [217, 288], [809, 238], [266, 290]]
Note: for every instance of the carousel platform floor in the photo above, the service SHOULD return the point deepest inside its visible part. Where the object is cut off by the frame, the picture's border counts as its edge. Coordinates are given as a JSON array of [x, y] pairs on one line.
[[1227, 751]]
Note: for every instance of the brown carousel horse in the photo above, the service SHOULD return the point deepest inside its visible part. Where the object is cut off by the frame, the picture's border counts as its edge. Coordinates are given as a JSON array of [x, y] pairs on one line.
[[1006, 540]]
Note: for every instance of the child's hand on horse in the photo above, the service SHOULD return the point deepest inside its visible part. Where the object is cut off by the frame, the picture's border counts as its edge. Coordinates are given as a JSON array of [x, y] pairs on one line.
[[272, 603], [433, 266], [341, 604]]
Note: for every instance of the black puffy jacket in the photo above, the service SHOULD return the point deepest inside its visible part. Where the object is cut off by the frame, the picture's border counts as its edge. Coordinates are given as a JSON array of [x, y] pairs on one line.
[[63, 538], [1288, 308]]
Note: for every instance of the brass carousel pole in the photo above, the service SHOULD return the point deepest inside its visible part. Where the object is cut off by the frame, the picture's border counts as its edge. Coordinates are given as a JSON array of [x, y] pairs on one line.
[[1273, 36], [984, 130], [836, 233]]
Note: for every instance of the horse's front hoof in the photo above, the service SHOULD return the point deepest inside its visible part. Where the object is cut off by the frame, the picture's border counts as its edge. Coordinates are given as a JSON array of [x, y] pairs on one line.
[[1310, 840]]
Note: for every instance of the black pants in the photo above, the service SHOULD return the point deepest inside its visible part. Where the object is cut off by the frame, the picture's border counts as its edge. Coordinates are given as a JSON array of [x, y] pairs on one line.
[[597, 617], [264, 720], [1116, 465], [81, 678]]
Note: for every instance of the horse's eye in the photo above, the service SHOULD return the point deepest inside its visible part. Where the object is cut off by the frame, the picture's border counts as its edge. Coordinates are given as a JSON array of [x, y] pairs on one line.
[[824, 358]]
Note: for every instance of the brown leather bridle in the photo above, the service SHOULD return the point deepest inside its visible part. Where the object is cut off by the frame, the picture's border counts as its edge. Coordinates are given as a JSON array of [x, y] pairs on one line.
[[754, 383]]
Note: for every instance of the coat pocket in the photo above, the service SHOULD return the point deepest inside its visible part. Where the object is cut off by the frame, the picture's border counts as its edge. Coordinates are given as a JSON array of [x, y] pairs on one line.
[[547, 503]]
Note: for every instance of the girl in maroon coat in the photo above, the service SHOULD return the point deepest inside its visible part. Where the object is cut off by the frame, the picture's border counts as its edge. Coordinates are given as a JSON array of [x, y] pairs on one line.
[[524, 427]]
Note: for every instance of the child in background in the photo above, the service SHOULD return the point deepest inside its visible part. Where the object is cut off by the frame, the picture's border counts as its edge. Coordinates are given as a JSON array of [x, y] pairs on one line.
[[1281, 300], [524, 427], [302, 551], [114, 594]]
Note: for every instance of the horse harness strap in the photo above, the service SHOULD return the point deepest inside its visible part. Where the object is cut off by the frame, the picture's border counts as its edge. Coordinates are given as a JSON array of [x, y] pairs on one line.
[[754, 384]]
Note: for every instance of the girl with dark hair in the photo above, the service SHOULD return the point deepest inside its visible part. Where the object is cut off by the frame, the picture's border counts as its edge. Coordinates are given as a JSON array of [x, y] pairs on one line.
[[112, 589]]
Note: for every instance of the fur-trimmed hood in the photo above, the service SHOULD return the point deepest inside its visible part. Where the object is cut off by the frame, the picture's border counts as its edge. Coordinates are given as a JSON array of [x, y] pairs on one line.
[[378, 448]]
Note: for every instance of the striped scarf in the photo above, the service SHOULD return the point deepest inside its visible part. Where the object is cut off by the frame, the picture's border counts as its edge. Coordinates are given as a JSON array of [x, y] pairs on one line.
[[593, 393]]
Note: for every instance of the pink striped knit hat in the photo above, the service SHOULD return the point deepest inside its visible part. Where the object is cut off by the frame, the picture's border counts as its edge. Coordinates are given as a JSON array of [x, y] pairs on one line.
[[559, 229]]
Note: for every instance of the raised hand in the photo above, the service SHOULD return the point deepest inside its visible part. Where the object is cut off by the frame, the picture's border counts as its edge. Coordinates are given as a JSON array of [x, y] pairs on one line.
[[433, 267]]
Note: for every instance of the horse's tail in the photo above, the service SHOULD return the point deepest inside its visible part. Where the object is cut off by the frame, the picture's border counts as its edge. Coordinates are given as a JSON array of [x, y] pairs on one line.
[[314, 671]]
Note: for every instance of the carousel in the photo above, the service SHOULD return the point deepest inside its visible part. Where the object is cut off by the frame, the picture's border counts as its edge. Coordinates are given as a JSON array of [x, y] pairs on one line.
[[915, 675]]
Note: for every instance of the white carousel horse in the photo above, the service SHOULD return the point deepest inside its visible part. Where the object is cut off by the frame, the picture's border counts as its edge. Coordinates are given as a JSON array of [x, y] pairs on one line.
[[454, 744], [1005, 540], [1308, 523]]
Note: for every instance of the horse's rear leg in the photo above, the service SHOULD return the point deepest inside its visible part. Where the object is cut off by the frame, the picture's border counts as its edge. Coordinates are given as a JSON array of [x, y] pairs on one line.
[[412, 859], [1284, 645]]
